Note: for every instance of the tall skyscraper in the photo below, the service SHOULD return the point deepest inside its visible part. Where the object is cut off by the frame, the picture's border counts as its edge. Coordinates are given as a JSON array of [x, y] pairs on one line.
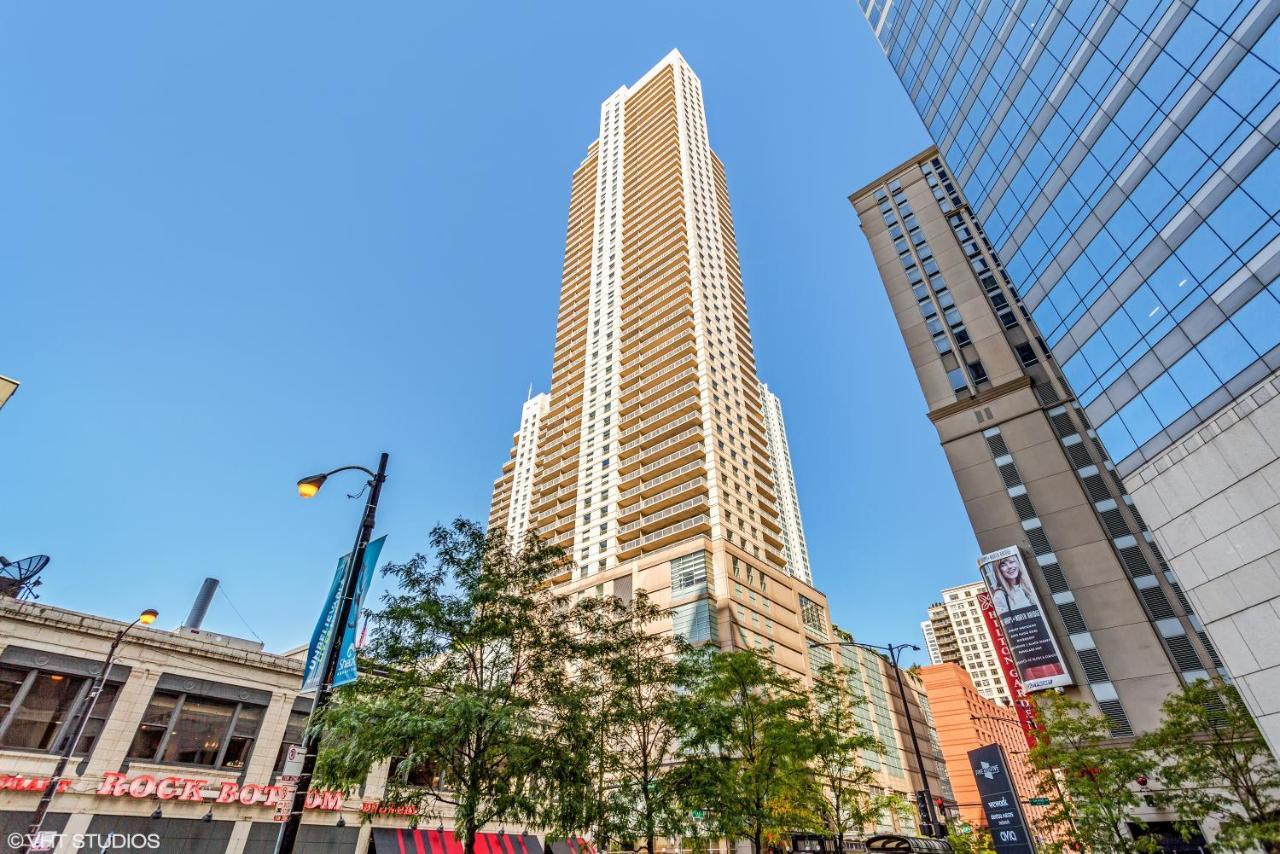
[[513, 492], [1122, 157], [794, 548], [653, 468], [959, 620], [1024, 454]]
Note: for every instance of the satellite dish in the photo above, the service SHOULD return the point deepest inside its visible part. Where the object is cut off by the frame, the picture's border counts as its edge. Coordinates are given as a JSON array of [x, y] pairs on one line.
[[18, 577]]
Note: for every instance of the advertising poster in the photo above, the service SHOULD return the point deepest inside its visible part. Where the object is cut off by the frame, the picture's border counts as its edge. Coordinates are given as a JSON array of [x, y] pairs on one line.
[[1035, 651]]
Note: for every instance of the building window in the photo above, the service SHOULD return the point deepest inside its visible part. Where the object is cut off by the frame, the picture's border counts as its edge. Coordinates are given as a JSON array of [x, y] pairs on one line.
[[1026, 355], [35, 706], [191, 730], [421, 774], [978, 372], [689, 574], [958, 382], [293, 732], [813, 616]]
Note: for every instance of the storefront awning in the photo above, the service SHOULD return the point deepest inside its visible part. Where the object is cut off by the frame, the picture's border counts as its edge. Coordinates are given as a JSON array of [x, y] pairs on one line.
[[421, 840]]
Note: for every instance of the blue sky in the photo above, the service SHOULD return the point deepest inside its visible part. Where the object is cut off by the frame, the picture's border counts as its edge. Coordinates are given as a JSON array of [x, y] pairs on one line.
[[244, 242]]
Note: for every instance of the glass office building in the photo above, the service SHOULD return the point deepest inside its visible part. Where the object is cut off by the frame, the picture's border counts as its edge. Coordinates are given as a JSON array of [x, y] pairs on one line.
[[1122, 159], [1121, 156]]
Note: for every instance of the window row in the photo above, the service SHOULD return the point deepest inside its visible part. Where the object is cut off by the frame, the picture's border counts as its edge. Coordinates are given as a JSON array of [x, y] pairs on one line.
[[181, 728]]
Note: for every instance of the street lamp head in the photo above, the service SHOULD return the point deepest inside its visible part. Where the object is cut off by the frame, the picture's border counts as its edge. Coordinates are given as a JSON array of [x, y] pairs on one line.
[[309, 486], [915, 648], [148, 616]]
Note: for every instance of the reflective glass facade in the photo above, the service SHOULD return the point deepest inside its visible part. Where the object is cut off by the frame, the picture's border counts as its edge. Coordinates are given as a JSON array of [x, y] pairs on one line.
[[1122, 158]]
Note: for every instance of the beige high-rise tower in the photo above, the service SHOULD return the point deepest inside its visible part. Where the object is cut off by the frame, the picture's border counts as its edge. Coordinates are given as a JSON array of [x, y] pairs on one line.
[[653, 469]]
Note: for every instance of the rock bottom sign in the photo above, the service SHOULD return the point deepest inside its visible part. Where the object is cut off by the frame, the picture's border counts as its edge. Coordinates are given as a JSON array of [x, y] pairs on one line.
[[117, 785], [1000, 800]]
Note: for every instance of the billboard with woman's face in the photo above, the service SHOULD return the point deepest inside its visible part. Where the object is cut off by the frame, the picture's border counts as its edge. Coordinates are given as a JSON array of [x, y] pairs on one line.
[[1035, 651]]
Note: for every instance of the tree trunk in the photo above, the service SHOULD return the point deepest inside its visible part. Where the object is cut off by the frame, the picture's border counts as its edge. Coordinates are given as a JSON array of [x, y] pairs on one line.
[[649, 840], [469, 839]]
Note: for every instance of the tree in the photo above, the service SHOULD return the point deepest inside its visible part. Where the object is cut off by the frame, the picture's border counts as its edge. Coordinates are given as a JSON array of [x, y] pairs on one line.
[[618, 720], [1213, 762], [846, 803], [643, 717], [472, 660], [976, 841], [743, 748], [1094, 796]]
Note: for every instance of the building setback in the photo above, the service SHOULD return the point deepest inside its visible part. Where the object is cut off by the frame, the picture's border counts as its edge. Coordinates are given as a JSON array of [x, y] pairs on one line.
[[1123, 160], [513, 491], [957, 624], [1024, 454], [794, 547]]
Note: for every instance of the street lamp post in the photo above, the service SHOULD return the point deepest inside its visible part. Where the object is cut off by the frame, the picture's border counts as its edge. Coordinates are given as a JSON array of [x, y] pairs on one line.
[[929, 815], [84, 711], [307, 488]]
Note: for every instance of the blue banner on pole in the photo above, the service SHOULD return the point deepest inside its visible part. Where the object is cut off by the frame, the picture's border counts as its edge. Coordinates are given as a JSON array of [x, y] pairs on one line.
[[346, 671], [323, 636]]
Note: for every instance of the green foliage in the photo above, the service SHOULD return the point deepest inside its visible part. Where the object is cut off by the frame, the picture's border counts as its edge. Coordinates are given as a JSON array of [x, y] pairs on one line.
[[976, 841], [475, 690], [616, 731], [846, 803], [1090, 777], [744, 749], [1214, 763]]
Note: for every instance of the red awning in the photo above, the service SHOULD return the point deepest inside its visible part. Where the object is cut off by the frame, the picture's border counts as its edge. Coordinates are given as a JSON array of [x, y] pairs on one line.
[[420, 840]]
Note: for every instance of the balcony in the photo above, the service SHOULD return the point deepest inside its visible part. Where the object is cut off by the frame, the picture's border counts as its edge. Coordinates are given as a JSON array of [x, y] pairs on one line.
[[656, 520], [648, 488], [632, 417], [660, 466], [641, 384], [682, 438], [636, 439], [682, 530], [665, 498]]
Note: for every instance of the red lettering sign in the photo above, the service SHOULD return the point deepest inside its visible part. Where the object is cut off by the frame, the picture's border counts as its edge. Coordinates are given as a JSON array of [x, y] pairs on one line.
[[117, 785], [1022, 702], [19, 783]]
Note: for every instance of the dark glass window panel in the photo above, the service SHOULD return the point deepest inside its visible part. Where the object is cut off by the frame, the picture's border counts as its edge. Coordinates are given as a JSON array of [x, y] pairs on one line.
[[241, 742], [45, 706], [155, 721], [11, 679], [293, 733], [98, 718], [201, 728]]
